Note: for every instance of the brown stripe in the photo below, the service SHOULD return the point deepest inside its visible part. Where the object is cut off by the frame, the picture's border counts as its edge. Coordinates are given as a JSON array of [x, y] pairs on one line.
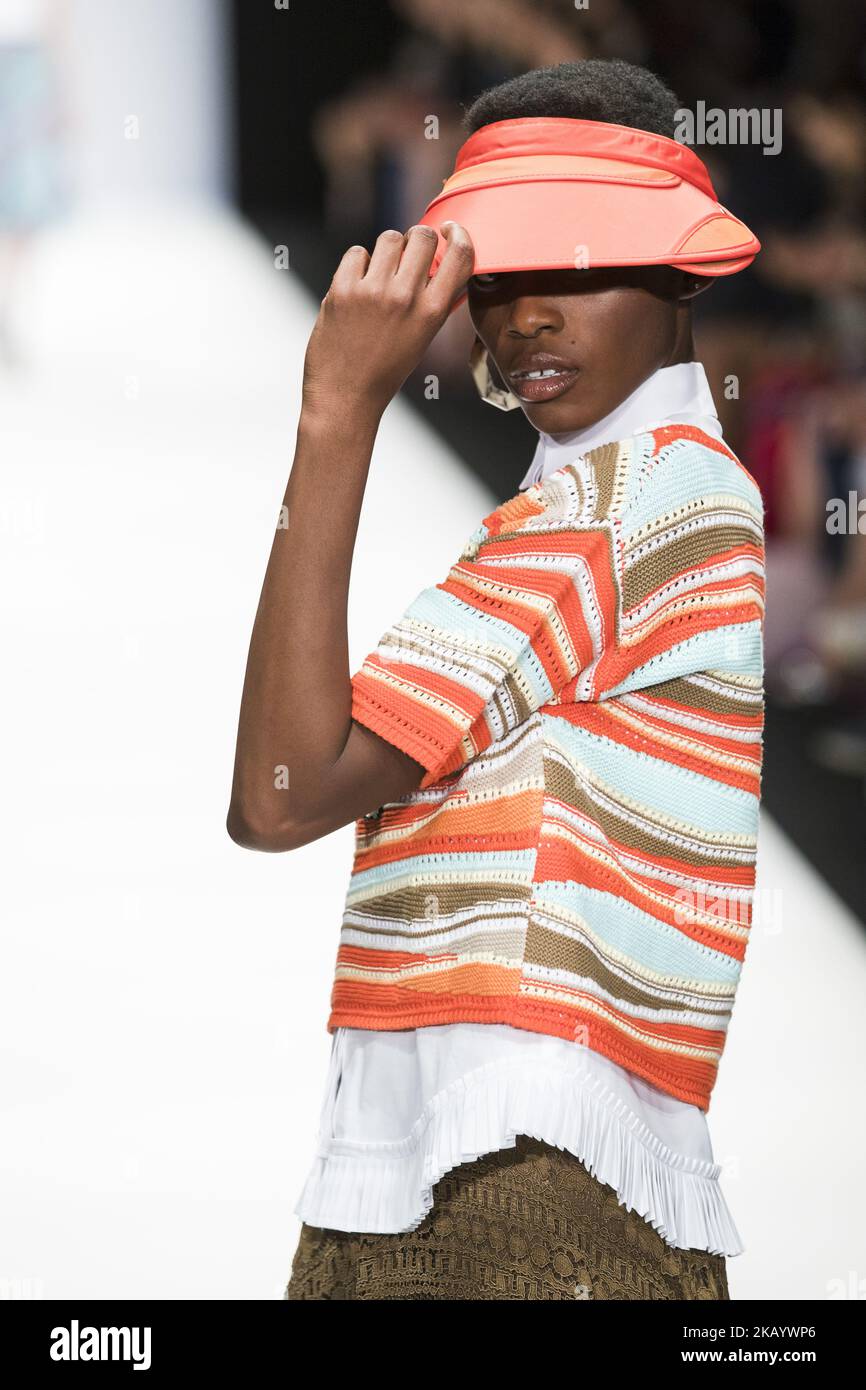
[[684, 691], [550, 950], [511, 687], [408, 904], [679, 556], [563, 784], [604, 462], [506, 947]]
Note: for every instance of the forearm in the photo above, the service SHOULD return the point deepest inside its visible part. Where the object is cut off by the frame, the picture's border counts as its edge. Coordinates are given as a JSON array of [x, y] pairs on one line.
[[302, 767], [295, 714]]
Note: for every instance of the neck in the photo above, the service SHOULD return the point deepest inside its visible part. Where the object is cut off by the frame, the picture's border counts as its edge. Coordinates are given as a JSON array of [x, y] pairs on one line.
[[683, 349], [678, 391]]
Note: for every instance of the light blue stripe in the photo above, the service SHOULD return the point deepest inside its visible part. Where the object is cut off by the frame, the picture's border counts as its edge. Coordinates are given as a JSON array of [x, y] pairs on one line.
[[641, 451], [452, 615], [736, 648], [685, 471], [651, 944], [689, 797], [446, 611], [445, 867]]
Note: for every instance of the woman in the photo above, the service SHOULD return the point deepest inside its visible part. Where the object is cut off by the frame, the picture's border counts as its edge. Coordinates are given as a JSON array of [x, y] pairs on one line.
[[549, 906]]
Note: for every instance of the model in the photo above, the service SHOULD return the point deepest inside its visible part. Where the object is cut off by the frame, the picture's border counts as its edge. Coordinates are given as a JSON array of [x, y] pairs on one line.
[[552, 758]]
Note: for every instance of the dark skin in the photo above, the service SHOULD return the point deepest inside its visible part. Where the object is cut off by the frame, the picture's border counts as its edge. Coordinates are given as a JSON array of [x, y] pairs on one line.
[[303, 767]]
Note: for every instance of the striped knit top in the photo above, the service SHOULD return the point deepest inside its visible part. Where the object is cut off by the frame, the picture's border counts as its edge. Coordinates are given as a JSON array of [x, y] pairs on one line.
[[584, 692]]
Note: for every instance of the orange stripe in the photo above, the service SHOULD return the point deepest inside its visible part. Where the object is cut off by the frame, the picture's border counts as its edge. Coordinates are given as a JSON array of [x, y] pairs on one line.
[[664, 702], [560, 863], [604, 724], [725, 876], [725, 744], [615, 665], [508, 823], [689, 1079]]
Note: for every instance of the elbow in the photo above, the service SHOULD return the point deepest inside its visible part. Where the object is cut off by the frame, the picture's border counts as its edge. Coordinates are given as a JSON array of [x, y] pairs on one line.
[[251, 829]]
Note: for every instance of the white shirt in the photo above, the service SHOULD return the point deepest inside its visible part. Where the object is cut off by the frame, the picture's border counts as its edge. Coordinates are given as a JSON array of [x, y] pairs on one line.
[[403, 1107], [671, 395]]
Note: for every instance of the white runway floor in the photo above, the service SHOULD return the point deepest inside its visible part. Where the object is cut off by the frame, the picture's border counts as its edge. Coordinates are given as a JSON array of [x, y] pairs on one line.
[[164, 993]]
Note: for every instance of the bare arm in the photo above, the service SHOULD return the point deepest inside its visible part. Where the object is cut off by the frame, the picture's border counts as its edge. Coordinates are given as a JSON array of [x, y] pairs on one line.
[[302, 766]]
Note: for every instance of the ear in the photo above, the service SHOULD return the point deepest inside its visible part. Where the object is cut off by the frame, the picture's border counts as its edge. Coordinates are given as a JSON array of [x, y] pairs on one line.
[[693, 285]]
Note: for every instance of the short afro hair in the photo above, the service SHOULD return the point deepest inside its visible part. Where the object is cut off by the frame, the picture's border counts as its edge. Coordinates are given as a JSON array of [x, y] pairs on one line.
[[595, 89]]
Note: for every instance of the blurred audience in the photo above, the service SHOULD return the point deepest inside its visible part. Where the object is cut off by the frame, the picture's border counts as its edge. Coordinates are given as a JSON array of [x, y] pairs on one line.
[[784, 347], [32, 174], [784, 344]]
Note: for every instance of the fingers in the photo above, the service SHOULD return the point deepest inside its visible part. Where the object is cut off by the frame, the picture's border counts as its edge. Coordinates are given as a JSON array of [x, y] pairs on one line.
[[350, 270], [385, 259], [420, 246], [394, 252], [400, 263], [455, 267]]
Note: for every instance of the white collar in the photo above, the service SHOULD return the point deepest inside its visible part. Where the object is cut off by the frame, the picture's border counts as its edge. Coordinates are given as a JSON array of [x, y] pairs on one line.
[[679, 394]]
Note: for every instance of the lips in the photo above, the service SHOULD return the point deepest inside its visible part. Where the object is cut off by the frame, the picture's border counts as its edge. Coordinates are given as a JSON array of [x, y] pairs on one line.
[[540, 376]]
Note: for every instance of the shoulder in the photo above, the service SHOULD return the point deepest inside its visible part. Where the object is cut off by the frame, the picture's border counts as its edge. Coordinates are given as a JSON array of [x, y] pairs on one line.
[[544, 507], [581, 494], [623, 485], [681, 466]]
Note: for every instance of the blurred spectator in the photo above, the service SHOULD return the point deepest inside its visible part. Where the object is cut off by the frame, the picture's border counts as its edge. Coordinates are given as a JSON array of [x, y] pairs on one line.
[[32, 186], [784, 346]]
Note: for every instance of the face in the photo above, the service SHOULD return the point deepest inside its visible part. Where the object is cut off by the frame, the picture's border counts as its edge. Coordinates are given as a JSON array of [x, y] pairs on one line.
[[572, 344]]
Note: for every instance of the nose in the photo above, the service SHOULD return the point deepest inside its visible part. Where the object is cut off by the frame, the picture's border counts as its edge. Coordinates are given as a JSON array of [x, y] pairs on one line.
[[530, 314]]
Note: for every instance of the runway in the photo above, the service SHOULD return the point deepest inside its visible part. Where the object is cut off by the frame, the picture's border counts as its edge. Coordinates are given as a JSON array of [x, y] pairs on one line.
[[165, 992]]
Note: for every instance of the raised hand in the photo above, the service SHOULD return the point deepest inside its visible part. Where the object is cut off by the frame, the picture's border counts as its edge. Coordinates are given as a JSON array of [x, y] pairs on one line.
[[379, 316]]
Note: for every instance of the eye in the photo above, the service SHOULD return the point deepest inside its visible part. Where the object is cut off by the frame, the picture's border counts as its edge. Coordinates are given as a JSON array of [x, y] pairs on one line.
[[484, 282]]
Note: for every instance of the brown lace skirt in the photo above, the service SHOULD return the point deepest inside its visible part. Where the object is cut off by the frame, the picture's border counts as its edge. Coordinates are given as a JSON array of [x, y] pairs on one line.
[[524, 1224]]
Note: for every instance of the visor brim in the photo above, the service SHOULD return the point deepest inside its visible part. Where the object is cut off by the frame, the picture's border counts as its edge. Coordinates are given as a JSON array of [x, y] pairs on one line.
[[577, 221]]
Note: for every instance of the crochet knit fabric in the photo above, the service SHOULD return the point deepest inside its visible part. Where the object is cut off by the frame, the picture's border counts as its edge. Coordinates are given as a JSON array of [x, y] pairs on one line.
[[585, 691], [525, 1224]]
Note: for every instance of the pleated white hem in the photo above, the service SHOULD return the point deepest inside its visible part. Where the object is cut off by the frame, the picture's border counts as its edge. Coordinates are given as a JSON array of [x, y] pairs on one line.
[[387, 1187]]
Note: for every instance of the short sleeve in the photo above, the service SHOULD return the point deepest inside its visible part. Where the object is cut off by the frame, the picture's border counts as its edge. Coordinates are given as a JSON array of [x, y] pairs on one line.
[[691, 571], [519, 615]]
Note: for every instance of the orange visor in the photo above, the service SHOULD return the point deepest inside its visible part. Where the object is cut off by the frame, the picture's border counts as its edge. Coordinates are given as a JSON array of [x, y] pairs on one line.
[[553, 193]]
